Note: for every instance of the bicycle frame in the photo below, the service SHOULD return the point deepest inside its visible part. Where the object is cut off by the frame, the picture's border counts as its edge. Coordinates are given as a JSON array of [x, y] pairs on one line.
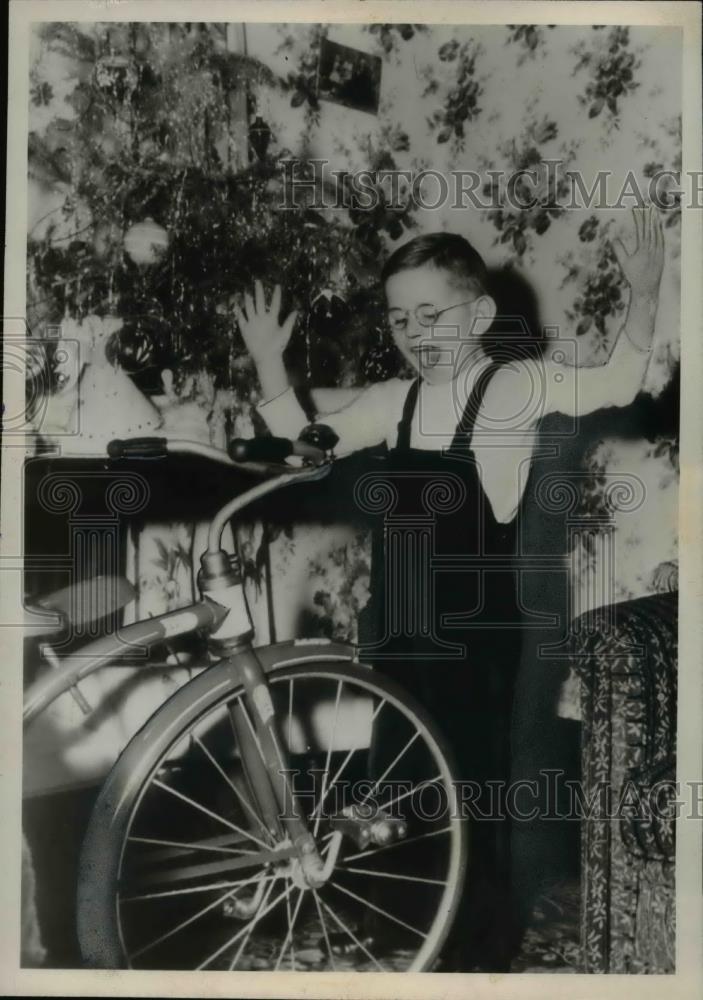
[[99, 653], [263, 755], [223, 613]]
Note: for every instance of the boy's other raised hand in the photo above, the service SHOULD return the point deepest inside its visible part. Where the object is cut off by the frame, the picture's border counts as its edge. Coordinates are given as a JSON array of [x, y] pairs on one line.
[[643, 264], [265, 338]]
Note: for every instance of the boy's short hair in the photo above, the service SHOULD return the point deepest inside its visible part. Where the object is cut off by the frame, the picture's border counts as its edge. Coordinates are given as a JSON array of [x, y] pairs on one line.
[[445, 251]]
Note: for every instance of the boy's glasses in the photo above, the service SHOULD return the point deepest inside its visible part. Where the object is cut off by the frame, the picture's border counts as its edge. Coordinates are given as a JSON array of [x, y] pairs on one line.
[[426, 315]]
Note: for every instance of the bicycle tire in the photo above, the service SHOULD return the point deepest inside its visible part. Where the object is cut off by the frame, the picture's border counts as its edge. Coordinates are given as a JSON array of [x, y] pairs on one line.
[[98, 920]]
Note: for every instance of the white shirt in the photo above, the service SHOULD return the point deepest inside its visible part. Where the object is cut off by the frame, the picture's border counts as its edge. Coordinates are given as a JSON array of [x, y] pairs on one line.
[[517, 397]]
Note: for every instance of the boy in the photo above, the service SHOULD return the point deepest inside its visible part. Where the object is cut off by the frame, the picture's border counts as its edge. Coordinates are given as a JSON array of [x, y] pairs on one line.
[[466, 425], [422, 279]]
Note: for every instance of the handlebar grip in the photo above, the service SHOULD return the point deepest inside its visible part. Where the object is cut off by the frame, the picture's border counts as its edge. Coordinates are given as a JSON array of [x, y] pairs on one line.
[[260, 449], [144, 447]]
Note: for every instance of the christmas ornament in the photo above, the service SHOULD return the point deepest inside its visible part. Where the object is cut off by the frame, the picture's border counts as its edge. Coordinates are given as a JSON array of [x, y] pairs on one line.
[[138, 349], [145, 242], [259, 136], [133, 350]]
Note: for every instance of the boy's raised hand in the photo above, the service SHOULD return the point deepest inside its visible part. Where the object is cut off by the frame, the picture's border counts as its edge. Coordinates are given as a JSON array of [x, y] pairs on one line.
[[265, 338], [643, 265]]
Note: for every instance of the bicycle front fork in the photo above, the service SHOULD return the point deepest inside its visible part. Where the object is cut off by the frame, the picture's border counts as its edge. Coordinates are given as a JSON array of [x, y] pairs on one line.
[[254, 720], [265, 761]]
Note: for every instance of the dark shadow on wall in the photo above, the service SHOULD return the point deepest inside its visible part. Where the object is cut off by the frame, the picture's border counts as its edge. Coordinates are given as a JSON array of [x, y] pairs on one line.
[[517, 317], [544, 850]]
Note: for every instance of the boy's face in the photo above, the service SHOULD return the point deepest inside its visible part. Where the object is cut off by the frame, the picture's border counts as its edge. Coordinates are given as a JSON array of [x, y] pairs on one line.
[[437, 349]]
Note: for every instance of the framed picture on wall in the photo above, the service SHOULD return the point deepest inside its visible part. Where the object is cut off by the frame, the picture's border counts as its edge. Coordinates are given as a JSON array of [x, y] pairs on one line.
[[348, 76]]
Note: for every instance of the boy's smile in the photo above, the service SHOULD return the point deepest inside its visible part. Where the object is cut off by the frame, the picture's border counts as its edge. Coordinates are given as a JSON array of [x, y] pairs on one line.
[[436, 322]]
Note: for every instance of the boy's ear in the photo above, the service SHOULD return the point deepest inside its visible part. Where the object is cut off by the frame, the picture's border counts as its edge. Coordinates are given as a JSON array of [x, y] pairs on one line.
[[484, 313]]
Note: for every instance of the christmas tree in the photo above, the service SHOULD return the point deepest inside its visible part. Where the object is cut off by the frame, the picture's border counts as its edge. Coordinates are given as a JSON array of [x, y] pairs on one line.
[[173, 187]]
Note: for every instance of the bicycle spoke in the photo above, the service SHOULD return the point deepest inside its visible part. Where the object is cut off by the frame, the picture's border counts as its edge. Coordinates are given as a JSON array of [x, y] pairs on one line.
[[318, 808], [227, 867], [323, 925], [212, 815], [289, 935], [412, 791], [190, 889], [292, 950], [378, 909], [326, 775], [187, 847], [290, 713], [403, 878], [396, 843], [252, 924], [185, 923], [231, 784], [250, 724], [350, 933], [255, 913], [292, 958], [391, 766]]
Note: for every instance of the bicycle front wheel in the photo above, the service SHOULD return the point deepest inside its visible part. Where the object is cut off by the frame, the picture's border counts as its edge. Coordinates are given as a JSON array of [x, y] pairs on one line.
[[180, 870]]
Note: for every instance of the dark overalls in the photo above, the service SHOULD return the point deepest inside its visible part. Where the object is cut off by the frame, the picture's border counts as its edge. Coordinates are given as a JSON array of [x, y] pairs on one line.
[[438, 495]]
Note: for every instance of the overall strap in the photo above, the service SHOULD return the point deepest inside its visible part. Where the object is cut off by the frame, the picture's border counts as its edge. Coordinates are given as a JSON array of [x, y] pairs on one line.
[[405, 423], [464, 429]]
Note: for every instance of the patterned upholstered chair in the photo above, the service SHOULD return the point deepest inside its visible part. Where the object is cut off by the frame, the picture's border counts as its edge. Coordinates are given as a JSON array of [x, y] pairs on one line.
[[627, 662]]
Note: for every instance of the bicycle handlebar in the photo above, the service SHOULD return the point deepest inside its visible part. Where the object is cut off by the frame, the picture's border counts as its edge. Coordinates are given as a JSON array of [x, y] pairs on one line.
[[140, 447], [272, 449], [260, 454], [270, 452]]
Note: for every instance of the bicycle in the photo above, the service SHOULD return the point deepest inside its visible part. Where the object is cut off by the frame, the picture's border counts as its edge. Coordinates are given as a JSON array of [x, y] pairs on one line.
[[200, 852]]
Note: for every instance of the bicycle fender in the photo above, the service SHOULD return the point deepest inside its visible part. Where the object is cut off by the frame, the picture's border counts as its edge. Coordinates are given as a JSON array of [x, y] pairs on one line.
[[292, 651]]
